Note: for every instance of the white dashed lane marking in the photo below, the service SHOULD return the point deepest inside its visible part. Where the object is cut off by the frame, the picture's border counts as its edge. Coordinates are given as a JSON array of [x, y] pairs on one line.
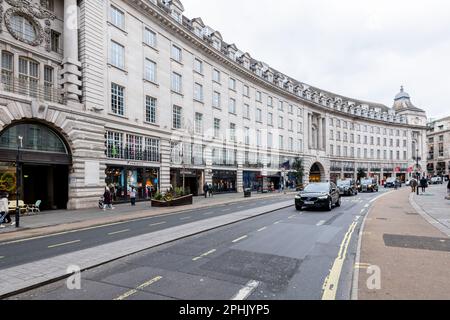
[[246, 291], [240, 239]]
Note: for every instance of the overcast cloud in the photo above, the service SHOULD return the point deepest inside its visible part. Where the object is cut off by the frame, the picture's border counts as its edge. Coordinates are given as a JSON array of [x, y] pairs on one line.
[[360, 49]]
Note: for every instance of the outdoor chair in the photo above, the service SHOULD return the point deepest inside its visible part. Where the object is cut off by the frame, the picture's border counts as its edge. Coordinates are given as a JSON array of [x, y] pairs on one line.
[[34, 208], [12, 206]]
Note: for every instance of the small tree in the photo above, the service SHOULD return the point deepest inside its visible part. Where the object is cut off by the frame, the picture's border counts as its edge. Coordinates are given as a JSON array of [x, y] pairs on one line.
[[361, 173], [299, 170]]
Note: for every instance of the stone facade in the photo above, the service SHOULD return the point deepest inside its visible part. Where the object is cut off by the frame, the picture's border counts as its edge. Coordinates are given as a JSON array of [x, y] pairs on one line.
[[138, 85], [438, 135]]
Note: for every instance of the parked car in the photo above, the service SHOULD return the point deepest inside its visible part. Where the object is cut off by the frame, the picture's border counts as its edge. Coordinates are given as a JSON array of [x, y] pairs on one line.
[[437, 180], [318, 195], [347, 187], [368, 185]]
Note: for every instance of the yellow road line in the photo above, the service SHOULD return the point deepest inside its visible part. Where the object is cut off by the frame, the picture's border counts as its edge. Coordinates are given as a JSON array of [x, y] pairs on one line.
[[204, 255], [330, 285], [142, 286], [239, 239], [117, 232], [63, 244]]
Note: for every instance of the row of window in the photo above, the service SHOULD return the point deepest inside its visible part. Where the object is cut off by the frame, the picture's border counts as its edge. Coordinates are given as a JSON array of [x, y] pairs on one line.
[[27, 79], [366, 140], [132, 147], [118, 107], [365, 128], [350, 152]]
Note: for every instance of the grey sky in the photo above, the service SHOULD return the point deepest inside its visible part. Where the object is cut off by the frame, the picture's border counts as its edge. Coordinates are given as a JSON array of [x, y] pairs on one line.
[[361, 49]]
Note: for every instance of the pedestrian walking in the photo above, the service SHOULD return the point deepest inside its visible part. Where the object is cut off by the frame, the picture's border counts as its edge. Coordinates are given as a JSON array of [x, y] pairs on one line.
[[448, 190], [206, 190], [4, 210], [107, 199], [424, 184], [133, 196], [413, 185], [210, 190]]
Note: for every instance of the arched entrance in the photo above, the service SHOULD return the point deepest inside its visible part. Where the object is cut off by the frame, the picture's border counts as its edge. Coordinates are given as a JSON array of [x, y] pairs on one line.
[[45, 160], [316, 173]]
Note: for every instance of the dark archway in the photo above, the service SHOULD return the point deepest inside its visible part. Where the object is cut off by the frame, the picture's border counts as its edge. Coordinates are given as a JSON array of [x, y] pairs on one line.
[[316, 173], [45, 160]]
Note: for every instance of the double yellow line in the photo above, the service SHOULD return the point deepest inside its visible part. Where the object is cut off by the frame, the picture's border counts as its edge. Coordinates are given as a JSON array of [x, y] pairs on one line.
[[330, 285]]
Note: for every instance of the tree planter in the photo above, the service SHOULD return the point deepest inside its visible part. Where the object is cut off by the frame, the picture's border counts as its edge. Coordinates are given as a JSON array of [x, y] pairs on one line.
[[177, 202]]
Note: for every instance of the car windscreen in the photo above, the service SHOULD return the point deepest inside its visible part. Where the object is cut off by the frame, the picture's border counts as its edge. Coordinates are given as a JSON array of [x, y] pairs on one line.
[[343, 183], [317, 187]]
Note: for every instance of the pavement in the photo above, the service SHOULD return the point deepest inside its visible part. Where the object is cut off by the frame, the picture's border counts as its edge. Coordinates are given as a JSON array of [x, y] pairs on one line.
[[282, 254], [405, 248], [53, 222]]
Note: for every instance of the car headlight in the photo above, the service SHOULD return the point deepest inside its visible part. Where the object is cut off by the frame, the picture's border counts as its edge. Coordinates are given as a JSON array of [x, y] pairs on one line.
[[323, 197], [298, 197]]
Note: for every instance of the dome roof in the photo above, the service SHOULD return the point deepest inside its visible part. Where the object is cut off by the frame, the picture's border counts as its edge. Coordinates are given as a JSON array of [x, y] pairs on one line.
[[402, 94], [403, 102]]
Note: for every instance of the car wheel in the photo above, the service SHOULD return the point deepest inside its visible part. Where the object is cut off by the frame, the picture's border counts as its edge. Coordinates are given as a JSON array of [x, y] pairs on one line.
[[299, 208], [330, 205], [338, 203]]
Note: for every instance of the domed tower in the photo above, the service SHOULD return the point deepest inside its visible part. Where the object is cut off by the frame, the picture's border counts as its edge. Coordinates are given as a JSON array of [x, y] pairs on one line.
[[416, 118], [403, 102]]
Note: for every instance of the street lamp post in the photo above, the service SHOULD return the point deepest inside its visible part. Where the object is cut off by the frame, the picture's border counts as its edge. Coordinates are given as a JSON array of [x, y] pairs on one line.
[[417, 168], [18, 181]]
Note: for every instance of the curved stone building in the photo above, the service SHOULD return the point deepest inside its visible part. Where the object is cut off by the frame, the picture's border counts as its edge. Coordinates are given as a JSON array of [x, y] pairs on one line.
[[133, 93]]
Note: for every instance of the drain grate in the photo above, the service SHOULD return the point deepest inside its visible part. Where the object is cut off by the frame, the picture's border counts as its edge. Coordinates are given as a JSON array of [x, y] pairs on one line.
[[415, 242]]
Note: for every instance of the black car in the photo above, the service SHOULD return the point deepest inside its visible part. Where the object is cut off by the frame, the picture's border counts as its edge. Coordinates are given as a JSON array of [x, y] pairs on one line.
[[368, 185], [318, 195], [347, 187]]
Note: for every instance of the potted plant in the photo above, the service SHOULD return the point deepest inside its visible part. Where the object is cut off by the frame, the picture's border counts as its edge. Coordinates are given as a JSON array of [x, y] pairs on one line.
[[172, 198]]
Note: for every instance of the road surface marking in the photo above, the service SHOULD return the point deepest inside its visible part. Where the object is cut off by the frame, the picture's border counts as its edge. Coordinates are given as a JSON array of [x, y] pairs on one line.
[[330, 285], [362, 211], [117, 232], [262, 229], [362, 265], [63, 244], [185, 218], [142, 286], [366, 206], [204, 255], [278, 222], [246, 291], [208, 213], [157, 224], [1, 257], [240, 207], [321, 223], [239, 239], [291, 217]]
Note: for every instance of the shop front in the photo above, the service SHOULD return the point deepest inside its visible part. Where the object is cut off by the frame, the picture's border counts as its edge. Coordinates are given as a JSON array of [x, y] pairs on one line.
[[224, 181], [252, 180], [43, 167], [193, 180], [120, 180]]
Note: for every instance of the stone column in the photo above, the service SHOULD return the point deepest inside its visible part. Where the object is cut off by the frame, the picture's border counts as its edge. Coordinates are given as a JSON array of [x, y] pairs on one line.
[[319, 133], [71, 65], [310, 144]]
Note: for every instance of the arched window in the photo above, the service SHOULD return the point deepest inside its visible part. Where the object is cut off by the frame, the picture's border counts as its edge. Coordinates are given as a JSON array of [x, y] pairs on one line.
[[23, 28], [36, 137]]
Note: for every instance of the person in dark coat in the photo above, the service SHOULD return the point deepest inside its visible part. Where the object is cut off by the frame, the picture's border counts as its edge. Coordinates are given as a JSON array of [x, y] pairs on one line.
[[448, 190], [424, 184], [206, 190], [107, 199]]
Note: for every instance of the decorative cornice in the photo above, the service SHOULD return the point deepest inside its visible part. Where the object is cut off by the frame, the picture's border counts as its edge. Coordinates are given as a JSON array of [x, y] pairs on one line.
[[33, 10]]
